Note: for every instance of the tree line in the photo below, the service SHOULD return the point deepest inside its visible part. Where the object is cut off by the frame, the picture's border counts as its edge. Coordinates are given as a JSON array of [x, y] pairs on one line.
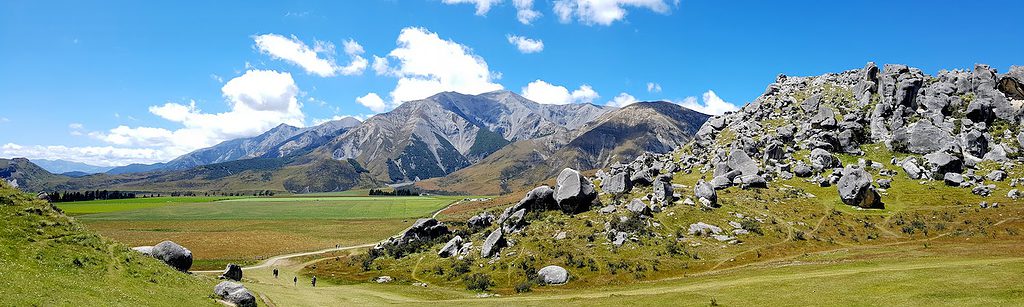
[[402, 192], [88, 195]]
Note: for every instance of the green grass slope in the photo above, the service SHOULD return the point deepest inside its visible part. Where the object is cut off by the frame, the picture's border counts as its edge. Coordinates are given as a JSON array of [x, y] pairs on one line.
[[49, 259]]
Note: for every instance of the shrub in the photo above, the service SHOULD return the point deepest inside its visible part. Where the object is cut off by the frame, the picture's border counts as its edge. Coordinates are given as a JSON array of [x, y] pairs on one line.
[[478, 282], [524, 287]]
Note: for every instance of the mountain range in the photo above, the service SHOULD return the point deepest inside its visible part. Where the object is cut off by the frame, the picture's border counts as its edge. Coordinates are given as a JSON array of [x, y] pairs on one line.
[[58, 166], [462, 141]]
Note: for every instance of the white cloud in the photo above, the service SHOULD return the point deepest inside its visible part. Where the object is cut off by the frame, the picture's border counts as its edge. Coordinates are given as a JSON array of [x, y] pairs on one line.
[[622, 100], [712, 104], [217, 78], [526, 45], [4, 120], [524, 11], [653, 87], [381, 66], [482, 6], [547, 93], [373, 102], [258, 100], [427, 64], [603, 12], [95, 155], [318, 60], [76, 126]]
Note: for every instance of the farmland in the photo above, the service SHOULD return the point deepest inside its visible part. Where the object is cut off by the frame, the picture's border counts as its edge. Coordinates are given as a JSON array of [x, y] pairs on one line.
[[244, 230]]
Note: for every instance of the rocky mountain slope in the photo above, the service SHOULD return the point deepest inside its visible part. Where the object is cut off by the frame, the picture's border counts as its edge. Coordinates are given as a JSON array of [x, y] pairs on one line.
[[617, 136], [449, 131], [944, 126]]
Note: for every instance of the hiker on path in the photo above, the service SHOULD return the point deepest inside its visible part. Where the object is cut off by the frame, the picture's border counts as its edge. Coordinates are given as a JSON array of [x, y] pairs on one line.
[[295, 281], [314, 281], [275, 273]]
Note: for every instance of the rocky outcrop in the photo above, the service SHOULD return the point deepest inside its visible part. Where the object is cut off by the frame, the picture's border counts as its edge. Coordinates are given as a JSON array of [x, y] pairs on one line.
[[451, 248], [574, 193], [855, 188], [493, 244], [553, 275], [232, 272], [172, 254], [234, 293]]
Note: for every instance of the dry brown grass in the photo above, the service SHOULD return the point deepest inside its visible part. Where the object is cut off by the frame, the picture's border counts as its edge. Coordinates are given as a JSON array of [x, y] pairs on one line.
[[215, 242]]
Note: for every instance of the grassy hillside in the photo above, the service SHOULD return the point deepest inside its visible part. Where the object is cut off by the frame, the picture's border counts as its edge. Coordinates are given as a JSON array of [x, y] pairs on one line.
[[47, 258], [793, 222]]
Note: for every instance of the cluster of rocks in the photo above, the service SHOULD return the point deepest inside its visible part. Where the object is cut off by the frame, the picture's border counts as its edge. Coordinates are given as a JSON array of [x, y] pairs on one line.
[[234, 293], [174, 255], [956, 120], [424, 230]]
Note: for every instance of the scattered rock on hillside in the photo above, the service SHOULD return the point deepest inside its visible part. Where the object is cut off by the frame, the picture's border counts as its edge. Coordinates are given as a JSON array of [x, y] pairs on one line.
[[855, 188], [751, 181], [574, 193], [940, 163], [451, 248], [234, 293], [424, 229], [618, 183], [701, 228], [482, 220], [493, 244], [911, 168], [638, 207], [232, 272], [704, 190], [553, 275], [173, 255], [953, 179]]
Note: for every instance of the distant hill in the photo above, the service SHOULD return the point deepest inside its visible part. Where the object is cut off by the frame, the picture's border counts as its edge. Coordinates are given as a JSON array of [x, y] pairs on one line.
[[617, 136], [62, 166], [52, 260]]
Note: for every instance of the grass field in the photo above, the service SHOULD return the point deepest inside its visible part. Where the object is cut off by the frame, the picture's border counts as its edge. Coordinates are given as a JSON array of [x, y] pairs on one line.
[[116, 205], [321, 208], [245, 230]]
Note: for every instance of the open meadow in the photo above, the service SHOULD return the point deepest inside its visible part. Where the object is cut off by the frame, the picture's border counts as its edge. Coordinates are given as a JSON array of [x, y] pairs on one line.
[[245, 230]]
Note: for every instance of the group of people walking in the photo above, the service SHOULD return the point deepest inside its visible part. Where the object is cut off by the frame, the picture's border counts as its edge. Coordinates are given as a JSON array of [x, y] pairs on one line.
[[295, 279]]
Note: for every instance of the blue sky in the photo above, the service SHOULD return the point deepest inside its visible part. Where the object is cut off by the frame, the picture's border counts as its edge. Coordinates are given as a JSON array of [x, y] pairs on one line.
[[118, 82]]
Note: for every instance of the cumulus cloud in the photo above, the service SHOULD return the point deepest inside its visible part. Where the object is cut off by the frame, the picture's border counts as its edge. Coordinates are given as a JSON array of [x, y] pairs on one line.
[[95, 155], [318, 60], [426, 64], [622, 100], [653, 87], [482, 6], [526, 45], [258, 100], [525, 12], [711, 104], [547, 93], [603, 12], [373, 102]]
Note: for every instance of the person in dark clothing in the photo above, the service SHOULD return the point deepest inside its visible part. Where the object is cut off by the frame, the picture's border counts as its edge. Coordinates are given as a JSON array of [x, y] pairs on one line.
[[314, 281], [295, 281], [275, 273]]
